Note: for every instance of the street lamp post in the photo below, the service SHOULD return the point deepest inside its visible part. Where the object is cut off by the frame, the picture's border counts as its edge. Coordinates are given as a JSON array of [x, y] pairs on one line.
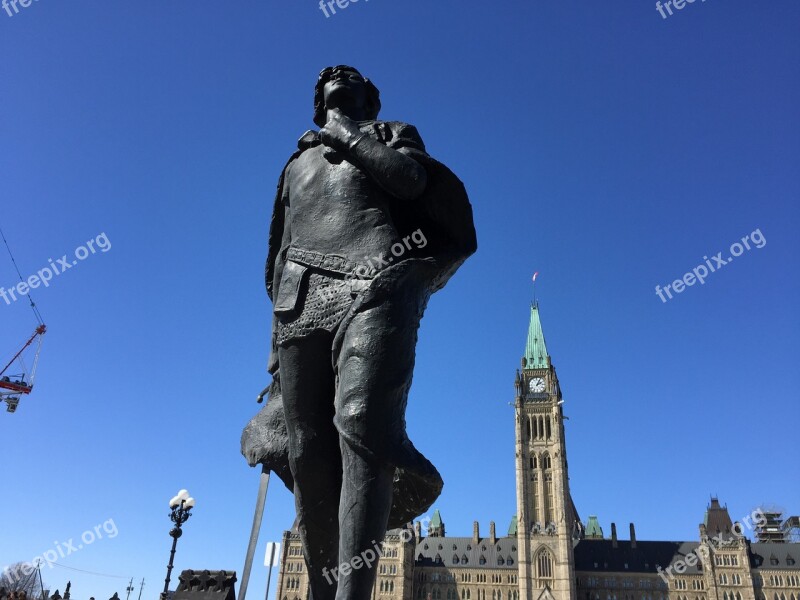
[[181, 506]]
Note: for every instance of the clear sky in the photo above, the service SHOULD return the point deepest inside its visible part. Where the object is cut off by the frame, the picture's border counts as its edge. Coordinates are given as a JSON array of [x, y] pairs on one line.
[[602, 145]]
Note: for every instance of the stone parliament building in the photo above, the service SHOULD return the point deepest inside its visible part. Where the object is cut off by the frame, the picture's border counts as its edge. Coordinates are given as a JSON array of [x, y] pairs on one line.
[[548, 553]]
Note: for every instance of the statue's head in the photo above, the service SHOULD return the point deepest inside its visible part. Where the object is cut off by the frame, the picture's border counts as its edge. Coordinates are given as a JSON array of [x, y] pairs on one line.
[[344, 87]]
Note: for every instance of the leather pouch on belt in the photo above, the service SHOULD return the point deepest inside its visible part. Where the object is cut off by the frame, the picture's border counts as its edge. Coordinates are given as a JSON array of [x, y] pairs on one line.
[[286, 303]]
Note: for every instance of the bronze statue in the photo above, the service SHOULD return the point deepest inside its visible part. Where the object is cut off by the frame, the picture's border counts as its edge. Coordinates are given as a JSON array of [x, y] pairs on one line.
[[366, 226]]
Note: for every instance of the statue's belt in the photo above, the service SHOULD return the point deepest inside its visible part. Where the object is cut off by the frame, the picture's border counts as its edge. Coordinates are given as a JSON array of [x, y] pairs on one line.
[[330, 262]]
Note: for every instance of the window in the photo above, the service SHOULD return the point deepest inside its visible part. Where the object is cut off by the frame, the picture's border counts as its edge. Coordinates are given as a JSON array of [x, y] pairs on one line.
[[544, 569]]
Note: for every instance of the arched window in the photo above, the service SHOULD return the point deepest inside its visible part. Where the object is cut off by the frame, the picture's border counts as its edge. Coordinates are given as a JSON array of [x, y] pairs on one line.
[[544, 568]]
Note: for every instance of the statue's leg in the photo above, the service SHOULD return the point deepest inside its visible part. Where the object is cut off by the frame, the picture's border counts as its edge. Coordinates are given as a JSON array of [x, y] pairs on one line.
[[308, 388], [375, 364]]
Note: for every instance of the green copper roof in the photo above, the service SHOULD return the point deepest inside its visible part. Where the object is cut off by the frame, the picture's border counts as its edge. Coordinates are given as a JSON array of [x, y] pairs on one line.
[[535, 349], [512, 529], [436, 521], [593, 529]]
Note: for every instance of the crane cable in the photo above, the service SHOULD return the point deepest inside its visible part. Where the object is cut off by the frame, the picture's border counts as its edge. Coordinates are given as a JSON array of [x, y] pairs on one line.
[[33, 304], [88, 572]]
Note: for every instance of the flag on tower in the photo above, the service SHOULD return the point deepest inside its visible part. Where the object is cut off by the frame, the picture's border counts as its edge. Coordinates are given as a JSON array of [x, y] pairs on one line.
[[535, 275]]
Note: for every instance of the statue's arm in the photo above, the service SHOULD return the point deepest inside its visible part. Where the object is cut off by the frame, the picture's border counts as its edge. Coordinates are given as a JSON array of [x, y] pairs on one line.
[[397, 173], [280, 260]]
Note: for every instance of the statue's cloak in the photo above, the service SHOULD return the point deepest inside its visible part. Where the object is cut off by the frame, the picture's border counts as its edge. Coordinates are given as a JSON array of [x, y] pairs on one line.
[[444, 215]]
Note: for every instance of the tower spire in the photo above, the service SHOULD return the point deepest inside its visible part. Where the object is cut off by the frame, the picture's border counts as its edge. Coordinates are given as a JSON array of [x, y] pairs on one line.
[[536, 356]]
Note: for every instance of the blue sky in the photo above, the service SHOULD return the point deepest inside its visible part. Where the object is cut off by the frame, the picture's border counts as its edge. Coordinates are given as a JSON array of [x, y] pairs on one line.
[[602, 145]]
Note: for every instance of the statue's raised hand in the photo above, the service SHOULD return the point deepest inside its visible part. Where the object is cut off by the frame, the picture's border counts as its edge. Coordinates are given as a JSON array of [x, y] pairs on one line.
[[340, 131]]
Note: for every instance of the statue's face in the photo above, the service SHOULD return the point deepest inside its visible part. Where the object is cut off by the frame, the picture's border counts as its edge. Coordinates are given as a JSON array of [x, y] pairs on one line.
[[345, 90]]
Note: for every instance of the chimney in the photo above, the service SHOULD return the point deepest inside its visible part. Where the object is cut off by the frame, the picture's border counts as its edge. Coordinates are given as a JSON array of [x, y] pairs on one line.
[[418, 531], [613, 535], [633, 536], [492, 535], [476, 534]]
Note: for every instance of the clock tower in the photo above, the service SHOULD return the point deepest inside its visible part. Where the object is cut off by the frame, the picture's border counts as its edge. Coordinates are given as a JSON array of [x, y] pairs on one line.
[[548, 524]]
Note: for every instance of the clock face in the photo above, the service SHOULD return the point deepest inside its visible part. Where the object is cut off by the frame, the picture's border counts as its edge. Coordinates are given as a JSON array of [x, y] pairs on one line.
[[536, 385]]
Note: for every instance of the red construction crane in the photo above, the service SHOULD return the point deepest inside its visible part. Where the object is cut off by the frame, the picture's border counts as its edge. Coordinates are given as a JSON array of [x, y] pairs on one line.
[[14, 385]]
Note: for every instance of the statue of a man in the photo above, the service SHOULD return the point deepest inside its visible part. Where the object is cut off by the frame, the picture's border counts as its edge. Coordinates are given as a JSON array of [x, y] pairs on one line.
[[366, 227]]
